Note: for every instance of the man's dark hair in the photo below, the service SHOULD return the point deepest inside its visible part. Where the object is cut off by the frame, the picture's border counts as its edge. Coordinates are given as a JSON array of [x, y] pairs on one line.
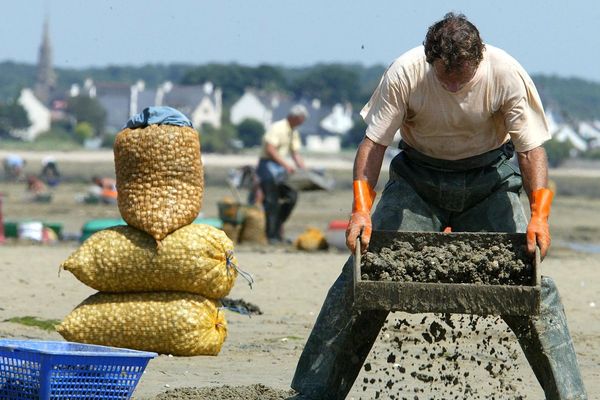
[[455, 41]]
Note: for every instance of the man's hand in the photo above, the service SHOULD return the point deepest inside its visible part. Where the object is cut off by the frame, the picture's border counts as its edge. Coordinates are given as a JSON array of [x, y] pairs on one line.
[[289, 169], [360, 220], [538, 230]]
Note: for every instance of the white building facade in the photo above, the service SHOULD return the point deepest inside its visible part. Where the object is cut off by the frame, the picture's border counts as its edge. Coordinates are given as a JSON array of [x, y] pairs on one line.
[[39, 116]]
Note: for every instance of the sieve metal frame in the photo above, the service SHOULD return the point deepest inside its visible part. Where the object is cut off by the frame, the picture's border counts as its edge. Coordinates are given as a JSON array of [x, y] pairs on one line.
[[458, 298]]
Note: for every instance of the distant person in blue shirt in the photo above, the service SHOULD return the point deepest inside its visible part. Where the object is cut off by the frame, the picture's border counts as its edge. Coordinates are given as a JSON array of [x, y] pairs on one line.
[[13, 167]]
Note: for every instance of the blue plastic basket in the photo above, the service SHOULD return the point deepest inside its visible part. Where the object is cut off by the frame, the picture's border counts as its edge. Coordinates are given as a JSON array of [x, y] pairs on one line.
[[48, 370]]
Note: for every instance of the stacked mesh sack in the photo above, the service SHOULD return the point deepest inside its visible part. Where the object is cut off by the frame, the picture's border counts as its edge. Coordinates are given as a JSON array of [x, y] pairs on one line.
[[160, 277]]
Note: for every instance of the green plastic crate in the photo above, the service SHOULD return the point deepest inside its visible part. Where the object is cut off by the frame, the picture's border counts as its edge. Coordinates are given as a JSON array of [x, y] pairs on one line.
[[95, 225], [11, 228]]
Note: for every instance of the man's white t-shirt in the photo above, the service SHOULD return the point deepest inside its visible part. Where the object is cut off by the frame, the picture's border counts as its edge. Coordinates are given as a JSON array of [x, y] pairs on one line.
[[499, 103]]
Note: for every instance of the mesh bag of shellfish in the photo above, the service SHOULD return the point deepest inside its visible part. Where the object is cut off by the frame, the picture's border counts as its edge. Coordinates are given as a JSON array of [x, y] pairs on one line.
[[160, 177], [176, 323]]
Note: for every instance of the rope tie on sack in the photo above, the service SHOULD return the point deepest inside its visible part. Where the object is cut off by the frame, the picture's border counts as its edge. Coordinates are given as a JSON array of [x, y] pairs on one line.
[[219, 324], [229, 264]]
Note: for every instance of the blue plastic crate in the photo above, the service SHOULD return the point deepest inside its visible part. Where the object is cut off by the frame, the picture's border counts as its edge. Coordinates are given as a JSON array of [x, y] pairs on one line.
[[48, 370]]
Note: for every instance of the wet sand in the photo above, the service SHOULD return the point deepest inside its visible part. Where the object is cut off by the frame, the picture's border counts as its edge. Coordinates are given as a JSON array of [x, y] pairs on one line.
[[289, 289]]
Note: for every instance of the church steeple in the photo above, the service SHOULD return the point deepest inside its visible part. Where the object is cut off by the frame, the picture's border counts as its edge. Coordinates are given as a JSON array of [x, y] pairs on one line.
[[46, 78]]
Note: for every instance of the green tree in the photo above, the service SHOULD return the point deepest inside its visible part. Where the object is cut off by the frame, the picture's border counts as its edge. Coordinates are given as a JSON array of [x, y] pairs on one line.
[[580, 97], [12, 116], [88, 109], [557, 152], [14, 77], [233, 79], [219, 140], [59, 137], [329, 83], [108, 141], [83, 130], [250, 132], [354, 136], [592, 154]]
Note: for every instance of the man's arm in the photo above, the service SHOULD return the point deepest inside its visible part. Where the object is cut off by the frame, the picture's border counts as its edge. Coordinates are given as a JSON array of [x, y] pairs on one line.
[[298, 160], [534, 169], [368, 160], [367, 166], [274, 155]]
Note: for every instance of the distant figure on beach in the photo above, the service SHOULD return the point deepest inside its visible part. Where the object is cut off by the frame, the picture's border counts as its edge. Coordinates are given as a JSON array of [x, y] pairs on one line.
[[37, 190], [281, 140], [49, 172], [104, 191], [13, 167]]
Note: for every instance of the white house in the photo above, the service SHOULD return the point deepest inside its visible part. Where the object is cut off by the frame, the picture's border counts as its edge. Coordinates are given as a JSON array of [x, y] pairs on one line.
[[255, 105], [323, 144], [322, 132], [553, 122], [339, 120], [39, 116], [563, 132], [202, 104], [590, 131], [568, 134], [325, 135]]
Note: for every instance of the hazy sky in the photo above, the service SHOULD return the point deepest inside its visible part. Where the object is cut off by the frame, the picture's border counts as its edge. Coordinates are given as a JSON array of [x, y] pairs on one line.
[[550, 37]]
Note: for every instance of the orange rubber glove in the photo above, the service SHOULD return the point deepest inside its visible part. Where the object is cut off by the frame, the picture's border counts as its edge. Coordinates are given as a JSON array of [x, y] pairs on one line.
[[538, 230], [360, 220]]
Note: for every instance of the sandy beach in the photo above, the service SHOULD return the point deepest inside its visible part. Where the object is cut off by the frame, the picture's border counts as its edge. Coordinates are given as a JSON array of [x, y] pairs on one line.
[[289, 288]]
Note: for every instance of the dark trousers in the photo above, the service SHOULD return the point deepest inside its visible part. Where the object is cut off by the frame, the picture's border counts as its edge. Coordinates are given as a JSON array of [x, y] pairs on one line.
[[422, 198], [279, 201]]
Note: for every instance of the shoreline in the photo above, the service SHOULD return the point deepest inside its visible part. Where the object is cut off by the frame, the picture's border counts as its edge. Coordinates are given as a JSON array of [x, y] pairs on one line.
[[326, 161]]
